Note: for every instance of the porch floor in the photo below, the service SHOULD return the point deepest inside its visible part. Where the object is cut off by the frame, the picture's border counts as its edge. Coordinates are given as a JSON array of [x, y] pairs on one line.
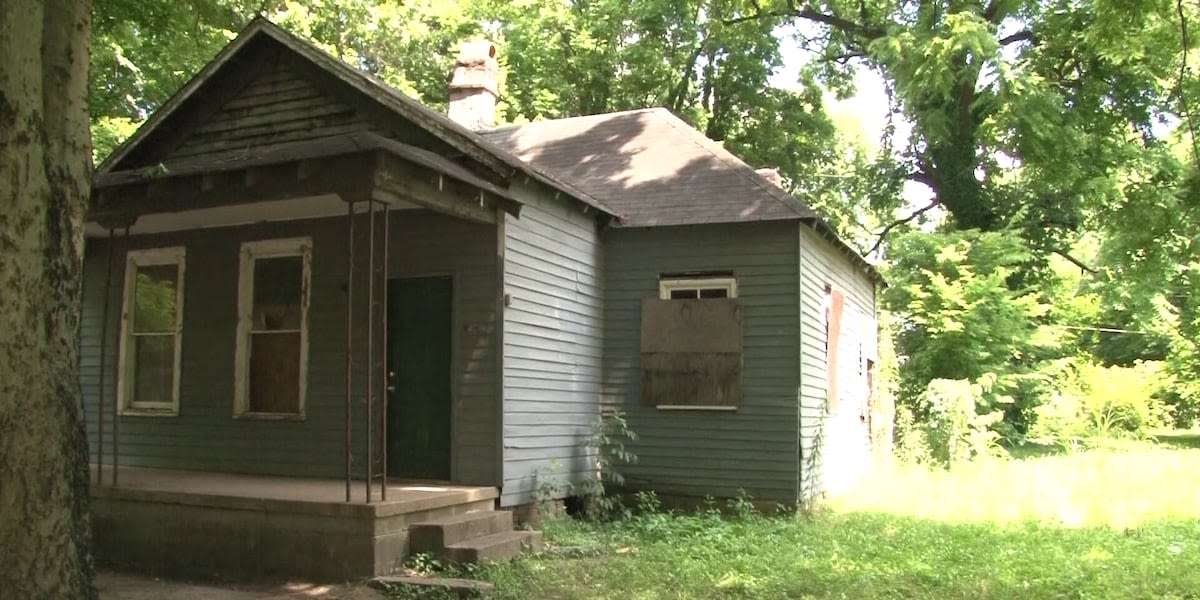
[[220, 525], [402, 496]]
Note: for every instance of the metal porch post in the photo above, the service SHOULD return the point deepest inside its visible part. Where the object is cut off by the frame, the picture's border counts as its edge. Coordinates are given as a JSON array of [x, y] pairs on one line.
[[116, 389], [370, 341], [383, 466], [107, 293], [349, 335]]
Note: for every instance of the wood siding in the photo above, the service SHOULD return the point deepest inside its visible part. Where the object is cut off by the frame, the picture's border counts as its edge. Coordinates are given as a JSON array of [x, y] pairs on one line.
[[552, 342], [278, 106], [696, 452], [205, 436], [835, 447]]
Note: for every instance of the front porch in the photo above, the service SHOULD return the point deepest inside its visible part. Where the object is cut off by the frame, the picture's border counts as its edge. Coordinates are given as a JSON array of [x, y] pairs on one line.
[[226, 526]]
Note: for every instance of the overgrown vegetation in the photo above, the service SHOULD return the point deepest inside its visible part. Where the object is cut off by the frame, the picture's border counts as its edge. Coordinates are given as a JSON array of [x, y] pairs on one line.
[[1117, 522]]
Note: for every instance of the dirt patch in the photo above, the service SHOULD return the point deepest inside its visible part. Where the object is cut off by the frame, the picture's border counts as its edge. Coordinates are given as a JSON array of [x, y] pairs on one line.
[[126, 586]]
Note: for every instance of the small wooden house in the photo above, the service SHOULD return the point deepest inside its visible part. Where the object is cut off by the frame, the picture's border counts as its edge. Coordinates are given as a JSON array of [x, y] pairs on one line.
[[318, 314]]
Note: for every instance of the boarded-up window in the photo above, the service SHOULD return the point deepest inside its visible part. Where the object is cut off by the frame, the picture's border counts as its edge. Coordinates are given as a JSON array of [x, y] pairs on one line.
[[835, 302], [273, 327], [692, 353], [152, 332]]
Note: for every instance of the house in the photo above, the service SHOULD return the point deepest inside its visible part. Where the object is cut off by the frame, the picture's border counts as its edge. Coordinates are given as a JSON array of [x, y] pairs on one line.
[[325, 326]]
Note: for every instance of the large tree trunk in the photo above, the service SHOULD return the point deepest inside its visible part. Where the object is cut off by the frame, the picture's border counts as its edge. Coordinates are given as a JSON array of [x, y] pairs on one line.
[[45, 168]]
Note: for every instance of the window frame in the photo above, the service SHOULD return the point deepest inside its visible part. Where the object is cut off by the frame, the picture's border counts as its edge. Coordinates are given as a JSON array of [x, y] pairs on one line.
[[249, 253], [666, 285], [148, 257]]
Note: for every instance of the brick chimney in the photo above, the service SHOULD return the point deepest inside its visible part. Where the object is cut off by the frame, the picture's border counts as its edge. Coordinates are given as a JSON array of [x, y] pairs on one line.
[[771, 174], [473, 89]]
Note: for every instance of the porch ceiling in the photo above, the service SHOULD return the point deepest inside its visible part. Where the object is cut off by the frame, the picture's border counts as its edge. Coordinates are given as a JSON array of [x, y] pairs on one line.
[[292, 209]]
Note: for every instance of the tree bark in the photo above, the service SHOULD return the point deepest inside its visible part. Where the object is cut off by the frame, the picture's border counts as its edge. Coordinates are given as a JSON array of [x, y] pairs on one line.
[[45, 171]]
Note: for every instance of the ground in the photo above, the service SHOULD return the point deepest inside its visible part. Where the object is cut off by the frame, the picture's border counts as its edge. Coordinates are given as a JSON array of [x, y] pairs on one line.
[[1119, 521], [127, 586]]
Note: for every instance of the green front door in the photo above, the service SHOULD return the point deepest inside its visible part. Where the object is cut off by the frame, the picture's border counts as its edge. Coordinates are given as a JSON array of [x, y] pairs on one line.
[[418, 408]]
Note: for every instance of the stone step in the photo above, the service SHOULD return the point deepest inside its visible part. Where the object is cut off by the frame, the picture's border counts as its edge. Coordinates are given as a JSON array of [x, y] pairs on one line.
[[494, 547], [461, 588], [435, 534]]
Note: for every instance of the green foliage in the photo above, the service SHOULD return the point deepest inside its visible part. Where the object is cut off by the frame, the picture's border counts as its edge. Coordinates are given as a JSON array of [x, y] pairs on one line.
[[964, 315], [1097, 524], [606, 443], [954, 426], [1096, 401]]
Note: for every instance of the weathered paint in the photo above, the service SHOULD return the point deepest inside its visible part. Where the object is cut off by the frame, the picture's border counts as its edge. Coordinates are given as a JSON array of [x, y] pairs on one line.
[[718, 453], [205, 436], [552, 342], [834, 446]]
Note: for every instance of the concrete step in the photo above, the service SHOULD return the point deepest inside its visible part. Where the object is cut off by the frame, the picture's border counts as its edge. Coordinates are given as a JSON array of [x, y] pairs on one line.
[[438, 586], [494, 547], [435, 534]]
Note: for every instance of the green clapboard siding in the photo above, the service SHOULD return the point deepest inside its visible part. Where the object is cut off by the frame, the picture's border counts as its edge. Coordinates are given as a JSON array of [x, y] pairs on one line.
[[834, 447], [552, 342], [699, 453], [205, 436]]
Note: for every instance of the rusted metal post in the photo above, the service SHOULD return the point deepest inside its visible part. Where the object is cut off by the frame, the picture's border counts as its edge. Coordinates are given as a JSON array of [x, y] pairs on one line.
[[383, 449], [349, 336], [370, 341], [107, 294], [116, 422]]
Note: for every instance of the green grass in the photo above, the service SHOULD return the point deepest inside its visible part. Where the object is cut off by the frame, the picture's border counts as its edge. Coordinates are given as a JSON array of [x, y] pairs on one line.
[[1114, 523]]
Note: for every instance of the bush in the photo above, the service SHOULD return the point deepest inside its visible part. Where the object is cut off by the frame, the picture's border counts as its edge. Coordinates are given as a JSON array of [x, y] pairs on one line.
[[1096, 401], [955, 430]]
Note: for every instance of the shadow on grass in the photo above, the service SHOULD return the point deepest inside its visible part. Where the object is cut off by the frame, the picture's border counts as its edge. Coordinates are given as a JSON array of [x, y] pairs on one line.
[[1180, 439], [1034, 450]]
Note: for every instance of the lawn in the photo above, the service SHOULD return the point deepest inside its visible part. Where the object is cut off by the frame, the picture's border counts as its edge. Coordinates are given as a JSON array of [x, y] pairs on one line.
[[1121, 522]]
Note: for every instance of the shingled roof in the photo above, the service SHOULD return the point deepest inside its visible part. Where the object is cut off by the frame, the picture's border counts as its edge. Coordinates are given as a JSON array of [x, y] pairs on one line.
[[651, 168]]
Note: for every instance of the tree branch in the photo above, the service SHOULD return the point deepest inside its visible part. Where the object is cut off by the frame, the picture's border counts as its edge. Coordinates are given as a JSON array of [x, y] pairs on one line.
[[1020, 36], [1187, 113], [810, 14], [1076, 261], [991, 14], [882, 235]]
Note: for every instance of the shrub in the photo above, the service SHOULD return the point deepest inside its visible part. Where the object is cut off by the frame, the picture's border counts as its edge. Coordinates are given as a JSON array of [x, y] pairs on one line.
[[1099, 401], [955, 430]]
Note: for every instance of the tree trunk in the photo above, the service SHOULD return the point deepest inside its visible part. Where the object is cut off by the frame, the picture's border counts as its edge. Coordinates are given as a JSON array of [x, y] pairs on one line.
[[45, 168]]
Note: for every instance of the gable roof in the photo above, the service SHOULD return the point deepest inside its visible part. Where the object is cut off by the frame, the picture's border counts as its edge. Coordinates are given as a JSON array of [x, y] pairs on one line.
[[496, 159], [643, 168], [652, 168]]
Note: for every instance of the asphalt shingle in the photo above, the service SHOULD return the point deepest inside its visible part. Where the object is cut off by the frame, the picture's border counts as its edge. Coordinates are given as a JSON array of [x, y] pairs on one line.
[[651, 168]]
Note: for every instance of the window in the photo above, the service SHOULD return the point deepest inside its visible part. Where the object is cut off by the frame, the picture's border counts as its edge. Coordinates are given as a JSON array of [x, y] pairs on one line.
[[270, 373], [683, 288], [691, 344], [151, 332]]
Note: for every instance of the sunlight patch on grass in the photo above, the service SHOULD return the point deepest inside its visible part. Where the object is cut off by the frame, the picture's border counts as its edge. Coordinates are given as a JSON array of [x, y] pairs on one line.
[[1102, 487]]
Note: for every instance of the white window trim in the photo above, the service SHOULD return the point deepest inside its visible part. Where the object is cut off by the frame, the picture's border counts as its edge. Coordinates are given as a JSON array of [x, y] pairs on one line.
[[250, 252], [670, 284], [176, 255]]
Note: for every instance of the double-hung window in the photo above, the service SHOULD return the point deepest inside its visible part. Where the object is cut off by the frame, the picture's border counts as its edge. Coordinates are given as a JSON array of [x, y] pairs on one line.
[[270, 372], [151, 332]]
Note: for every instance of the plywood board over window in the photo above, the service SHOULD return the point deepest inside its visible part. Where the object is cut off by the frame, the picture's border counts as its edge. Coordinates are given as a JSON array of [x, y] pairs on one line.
[[835, 301], [270, 374], [691, 353], [151, 332]]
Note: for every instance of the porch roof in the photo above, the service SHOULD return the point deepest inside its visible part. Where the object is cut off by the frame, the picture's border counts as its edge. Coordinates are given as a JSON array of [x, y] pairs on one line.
[[356, 143]]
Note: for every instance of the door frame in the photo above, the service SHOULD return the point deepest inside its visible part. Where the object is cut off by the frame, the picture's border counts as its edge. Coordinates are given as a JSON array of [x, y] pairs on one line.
[[454, 342]]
